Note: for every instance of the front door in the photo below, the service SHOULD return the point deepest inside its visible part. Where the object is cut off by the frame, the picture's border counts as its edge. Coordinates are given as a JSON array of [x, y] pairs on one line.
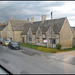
[[23, 39]]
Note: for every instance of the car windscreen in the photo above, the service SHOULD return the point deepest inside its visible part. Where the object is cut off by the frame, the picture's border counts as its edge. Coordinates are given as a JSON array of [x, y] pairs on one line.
[[15, 43]]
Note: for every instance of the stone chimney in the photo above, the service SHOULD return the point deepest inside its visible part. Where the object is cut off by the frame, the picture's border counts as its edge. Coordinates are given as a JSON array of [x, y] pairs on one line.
[[11, 18], [28, 20], [0, 23], [32, 20], [43, 18]]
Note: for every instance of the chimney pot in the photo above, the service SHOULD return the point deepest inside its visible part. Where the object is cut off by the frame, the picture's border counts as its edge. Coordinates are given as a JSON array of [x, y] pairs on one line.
[[11, 18], [27, 20], [32, 20], [43, 18]]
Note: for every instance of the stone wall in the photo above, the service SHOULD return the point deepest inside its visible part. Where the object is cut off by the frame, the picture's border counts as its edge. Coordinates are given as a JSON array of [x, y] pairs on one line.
[[17, 36], [66, 35]]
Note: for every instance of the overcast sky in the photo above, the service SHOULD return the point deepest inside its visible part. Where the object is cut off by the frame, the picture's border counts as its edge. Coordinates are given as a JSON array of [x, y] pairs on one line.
[[22, 10]]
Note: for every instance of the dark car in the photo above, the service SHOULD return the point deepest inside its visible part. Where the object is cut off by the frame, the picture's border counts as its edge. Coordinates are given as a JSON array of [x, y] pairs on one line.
[[14, 45]]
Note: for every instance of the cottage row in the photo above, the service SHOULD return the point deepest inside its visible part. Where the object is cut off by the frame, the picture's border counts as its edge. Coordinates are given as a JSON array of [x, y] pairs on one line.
[[45, 32]]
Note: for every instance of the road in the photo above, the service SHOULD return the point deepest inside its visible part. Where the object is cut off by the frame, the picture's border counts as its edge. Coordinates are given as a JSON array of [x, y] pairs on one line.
[[25, 62]]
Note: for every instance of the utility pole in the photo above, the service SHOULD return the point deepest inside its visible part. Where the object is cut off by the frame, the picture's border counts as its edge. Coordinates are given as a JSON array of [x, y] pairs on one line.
[[51, 28]]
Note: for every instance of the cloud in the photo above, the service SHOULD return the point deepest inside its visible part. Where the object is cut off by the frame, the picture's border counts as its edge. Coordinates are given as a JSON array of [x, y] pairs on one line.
[[24, 9]]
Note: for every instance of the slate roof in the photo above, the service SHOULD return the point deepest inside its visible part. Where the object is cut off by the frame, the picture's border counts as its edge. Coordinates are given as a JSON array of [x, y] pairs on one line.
[[26, 28], [44, 28], [33, 27], [2, 27], [17, 25], [58, 24], [55, 23]]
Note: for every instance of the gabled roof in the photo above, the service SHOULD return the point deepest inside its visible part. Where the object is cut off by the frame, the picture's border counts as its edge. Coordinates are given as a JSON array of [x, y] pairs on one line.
[[17, 25], [33, 27], [2, 27], [55, 23], [25, 29], [44, 28]]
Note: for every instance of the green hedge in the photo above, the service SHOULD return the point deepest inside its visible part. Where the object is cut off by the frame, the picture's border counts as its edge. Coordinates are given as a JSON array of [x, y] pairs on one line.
[[58, 46], [40, 48]]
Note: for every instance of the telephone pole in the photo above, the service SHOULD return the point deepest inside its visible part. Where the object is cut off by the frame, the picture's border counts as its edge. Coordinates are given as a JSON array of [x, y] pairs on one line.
[[51, 28]]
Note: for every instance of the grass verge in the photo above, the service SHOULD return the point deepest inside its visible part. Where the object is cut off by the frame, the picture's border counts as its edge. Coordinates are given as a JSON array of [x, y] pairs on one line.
[[45, 49]]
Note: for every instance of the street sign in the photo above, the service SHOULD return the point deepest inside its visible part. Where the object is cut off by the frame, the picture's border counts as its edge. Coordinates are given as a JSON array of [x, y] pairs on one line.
[[45, 41]]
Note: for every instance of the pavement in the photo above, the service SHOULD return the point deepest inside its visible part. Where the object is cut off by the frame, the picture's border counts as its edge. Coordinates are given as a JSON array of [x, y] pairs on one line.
[[30, 61], [67, 57]]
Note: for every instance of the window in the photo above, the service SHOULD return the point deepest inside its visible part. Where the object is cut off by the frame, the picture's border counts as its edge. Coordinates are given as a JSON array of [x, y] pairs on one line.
[[52, 41], [30, 39], [38, 40]]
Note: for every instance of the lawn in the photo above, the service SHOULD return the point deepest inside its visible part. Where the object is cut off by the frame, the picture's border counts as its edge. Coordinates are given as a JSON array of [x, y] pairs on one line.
[[69, 49], [45, 49]]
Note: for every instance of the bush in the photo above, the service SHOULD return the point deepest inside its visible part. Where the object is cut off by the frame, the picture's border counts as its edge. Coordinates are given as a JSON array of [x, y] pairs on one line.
[[58, 46]]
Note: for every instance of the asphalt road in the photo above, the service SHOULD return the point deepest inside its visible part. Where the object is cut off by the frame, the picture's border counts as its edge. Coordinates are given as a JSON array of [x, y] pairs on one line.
[[27, 62]]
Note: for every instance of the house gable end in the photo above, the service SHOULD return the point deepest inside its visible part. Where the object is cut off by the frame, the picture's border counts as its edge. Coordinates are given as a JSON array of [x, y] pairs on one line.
[[66, 35]]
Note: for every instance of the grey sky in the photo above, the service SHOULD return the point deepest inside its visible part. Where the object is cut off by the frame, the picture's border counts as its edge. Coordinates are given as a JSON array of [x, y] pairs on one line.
[[27, 9]]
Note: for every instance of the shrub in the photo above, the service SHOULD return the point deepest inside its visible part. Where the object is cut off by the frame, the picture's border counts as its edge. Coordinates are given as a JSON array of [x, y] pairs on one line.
[[58, 46]]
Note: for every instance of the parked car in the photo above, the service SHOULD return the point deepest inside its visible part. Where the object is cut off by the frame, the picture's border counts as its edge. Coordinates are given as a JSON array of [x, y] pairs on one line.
[[5, 43], [14, 45], [1, 40]]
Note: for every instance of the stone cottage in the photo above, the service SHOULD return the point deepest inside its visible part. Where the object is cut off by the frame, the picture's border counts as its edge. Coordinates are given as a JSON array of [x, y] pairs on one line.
[[45, 32], [14, 29], [54, 31]]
